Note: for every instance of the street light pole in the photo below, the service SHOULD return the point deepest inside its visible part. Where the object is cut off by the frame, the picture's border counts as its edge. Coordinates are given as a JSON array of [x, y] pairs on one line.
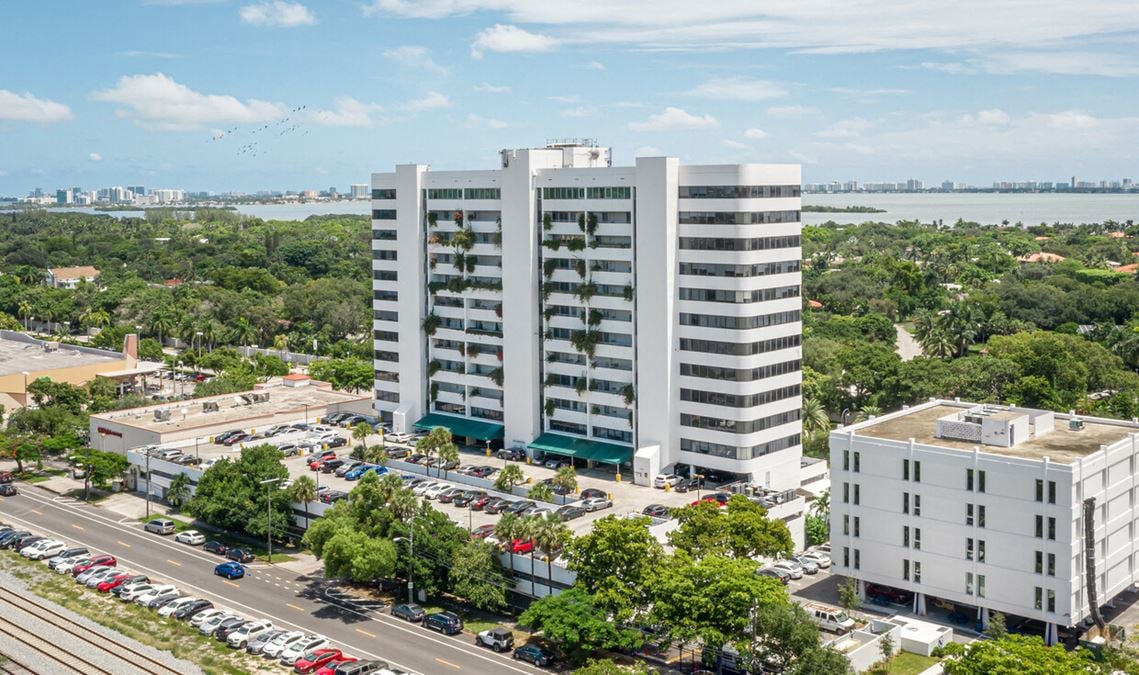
[[410, 539], [148, 484], [269, 524]]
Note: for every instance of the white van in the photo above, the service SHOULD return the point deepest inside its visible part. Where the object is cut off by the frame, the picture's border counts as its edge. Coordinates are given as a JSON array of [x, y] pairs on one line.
[[829, 618]]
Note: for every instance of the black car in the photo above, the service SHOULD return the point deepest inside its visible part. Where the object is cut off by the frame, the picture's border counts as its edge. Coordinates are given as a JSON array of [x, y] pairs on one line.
[[25, 541], [334, 418], [656, 511], [226, 435], [215, 547], [516, 454], [534, 654], [500, 506], [187, 612], [398, 453], [568, 512], [337, 442], [333, 496], [8, 490], [464, 499], [10, 537], [556, 489], [408, 612], [331, 465], [447, 623], [593, 493], [240, 555], [686, 484], [519, 506], [228, 626]]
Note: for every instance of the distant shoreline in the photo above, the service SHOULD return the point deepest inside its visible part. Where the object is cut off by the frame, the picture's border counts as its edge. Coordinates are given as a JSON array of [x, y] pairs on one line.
[[816, 208]]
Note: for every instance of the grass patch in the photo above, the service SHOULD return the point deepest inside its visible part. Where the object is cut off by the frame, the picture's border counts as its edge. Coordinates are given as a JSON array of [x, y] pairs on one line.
[[259, 552], [905, 663], [35, 478]]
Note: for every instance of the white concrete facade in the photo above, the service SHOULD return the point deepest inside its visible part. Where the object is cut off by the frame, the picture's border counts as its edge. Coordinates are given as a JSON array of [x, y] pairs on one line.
[[649, 306], [996, 524]]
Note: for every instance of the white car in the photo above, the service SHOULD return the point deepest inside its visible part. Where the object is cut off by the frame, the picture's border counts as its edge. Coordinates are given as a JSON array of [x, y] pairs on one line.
[[174, 605], [155, 591], [202, 617], [666, 479], [241, 637], [418, 490], [398, 438], [281, 643], [434, 491], [191, 537], [301, 647], [789, 567], [210, 625], [102, 575], [819, 558], [44, 549], [596, 503], [135, 591], [321, 429]]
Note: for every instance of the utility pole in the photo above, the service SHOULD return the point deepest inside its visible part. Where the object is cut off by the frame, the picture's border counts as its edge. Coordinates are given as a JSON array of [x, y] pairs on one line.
[[269, 524], [148, 484], [410, 539]]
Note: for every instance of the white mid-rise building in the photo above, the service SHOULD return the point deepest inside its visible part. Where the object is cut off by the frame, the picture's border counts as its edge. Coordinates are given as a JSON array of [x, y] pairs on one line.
[[645, 315], [988, 509]]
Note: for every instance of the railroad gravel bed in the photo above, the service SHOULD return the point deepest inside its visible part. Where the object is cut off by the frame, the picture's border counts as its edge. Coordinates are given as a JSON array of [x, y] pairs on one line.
[[43, 628]]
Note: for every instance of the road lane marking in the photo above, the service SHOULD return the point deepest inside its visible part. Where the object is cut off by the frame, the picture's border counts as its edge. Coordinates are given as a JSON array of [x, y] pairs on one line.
[[78, 527], [361, 631], [231, 583], [299, 609], [174, 562], [38, 513], [120, 542], [448, 663]]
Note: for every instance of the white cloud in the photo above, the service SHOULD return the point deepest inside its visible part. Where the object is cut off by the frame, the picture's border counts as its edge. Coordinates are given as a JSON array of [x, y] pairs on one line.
[[430, 101], [564, 99], [158, 102], [415, 57], [993, 116], [95, 157], [734, 145], [27, 108], [134, 53], [850, 128], [474, 121], [579, 111], [348, 112], [951, 67], [503, 38], [277, 13], [755, 134], [870, 93], [674, 118], [738, 89], [488, 88], [648, 151], [595, 65], [853, 26], [1063, 62], [791, 111]]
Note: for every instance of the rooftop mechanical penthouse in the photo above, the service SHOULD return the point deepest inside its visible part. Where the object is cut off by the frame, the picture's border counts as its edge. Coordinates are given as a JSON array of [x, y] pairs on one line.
[[643, 315], [989, 508]]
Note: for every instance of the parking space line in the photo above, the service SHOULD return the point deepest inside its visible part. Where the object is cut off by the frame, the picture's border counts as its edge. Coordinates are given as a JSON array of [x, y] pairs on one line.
[[361, 631], [174, 562]]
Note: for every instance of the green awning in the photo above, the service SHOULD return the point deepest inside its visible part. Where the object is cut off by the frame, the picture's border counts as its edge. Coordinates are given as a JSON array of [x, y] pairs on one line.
[[582, 448], [461, 427]]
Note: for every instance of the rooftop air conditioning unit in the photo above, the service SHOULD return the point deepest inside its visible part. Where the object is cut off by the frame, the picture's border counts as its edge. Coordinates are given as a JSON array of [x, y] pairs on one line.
[[260, 397], [51, 346], [209, 406], [1075, 424], [161, 415]]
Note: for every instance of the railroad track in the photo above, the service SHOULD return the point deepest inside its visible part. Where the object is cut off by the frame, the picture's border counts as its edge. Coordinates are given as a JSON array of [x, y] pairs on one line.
[[13, 666], [116, 649]]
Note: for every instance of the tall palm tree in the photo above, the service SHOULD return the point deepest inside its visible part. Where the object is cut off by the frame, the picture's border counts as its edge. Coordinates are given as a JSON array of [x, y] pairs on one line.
[[866, 412], [822, 504], [211, 334], [448, 453], [527, 528], [566, 477], [244, 332], [508, 528], [814, 416], [179, 491], [25, 310], [434, 443], [510, 476], [303, 490], [550, 535], [403, 504], [925, 322], [162, 323], [938, 344], [360, 432]]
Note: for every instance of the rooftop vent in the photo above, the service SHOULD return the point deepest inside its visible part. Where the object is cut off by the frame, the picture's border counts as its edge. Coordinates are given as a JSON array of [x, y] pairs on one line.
[[209, 406], [161, 415]]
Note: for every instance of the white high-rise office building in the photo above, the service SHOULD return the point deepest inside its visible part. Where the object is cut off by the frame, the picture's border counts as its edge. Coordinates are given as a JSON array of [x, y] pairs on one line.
[[982, 509], [645, 316]]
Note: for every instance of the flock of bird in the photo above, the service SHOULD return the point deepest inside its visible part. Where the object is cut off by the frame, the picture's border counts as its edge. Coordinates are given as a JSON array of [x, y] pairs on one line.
[[261, 145]]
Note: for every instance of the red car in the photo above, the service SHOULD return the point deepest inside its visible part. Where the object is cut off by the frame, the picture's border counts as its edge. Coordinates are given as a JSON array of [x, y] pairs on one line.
[[330, 669], [482, 531], [308, 663], [318, 461], [115, 580], [5, 477], [234, 440], [718, 498], [522, 546], [97, 561]]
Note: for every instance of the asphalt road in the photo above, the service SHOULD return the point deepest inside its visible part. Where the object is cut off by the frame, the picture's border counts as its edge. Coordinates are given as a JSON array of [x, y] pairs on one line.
[[290, 601]]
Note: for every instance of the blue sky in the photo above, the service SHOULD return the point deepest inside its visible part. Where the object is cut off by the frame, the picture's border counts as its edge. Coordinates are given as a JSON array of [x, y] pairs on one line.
[[124, 92]]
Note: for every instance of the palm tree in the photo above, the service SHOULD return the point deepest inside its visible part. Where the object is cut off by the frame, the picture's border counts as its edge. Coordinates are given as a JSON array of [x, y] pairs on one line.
[[814, 416], [435, 443], [527, 529], [303, 490], [179, 491], [162, 323], [866, 412], [95, 317], [403, 504], [550, 535], [244, 332], [211, 334], [938, 344], [565, 477], [822, 504], [360, 432], [447, 454], [510, 476], [541, 492], [509, 528], [925, 322], [25, 310]]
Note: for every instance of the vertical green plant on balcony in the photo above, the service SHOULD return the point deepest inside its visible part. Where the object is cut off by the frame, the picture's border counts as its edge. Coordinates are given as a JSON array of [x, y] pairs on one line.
[[591, 224], [459, 219], [628, 394], [434, 391], [581, 222], [430, 324], [471, 260], [548, 267], [580, 385], [459, 260], [594, 317], [629, 293], [579, 265], [496, 376], [547, 224], [433, 367], [586, 291], [549, 407], [432, 219]]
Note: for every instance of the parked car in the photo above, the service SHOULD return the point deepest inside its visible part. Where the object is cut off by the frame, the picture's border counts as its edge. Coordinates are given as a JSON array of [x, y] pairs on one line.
[[215, 547], [499, 639], [520, 506], [5, 477], [809, 566], [229, 626], [226, 435], [514, 454], [789, 566], [239, 555], [446, 496], [782, 575], [534, 654], [274, 647], [665, 480], [596, 503], [822, 560], [467, 498], [687, 484], [206, 615], [328, 466], [345, 467], [570, 512], [829, 618], [109, 583], [67, 554], [230, 570], [447, 623], [178, 603], [256, 645], [96, 561], [188, 611], [239, 638], [162, 526], [593, 493], [521, 546], [481, 502], [100, 575], [191, 537], [499, 506], [48, 548], [316, 658], [236, 438], [301, 647], [116, 588], [888, 594], [482, 531], [398, 453], [719, 498], [408, 611], [169, 591], [656, 511], [8, 490], [554, 463], [211, 624]]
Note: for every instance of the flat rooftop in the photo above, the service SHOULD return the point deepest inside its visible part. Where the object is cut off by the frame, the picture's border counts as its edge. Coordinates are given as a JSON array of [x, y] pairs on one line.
[[28, 354], [1059, 445], [232, 410]]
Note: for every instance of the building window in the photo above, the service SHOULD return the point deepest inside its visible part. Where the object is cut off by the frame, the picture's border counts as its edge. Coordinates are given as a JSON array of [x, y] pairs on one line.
[[980, 481], [482, 193], [610, 192], [917, 471], [737, 191], [846, 494], [1038, 600], [905, 570], [917, 505], [917, 572], [445, 193], [1051, 564], [846, 460], [858, 492], [905, 469], [969, 514], [980, 585], [1039, 527], [1051, 520], [969, 549], [857, 526], [969, 480], [1051, 492], [1039, 562], [980, 515], [905, 502], [906, 536], [968, 583], [917, 537], [1051, 601], [563, 193], [857, 559], [383, 214], [382, 193], [857, 462], [1039, 490], [980, 550], [845, 524], [846, 556]]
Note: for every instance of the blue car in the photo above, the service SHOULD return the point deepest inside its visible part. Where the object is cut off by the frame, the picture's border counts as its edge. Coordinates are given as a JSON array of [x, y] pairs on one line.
[[358, 472], [230, 570]]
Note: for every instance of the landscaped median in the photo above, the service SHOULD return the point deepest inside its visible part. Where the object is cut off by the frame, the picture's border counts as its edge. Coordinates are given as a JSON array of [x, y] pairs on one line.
[[257, 550], [135, 622]]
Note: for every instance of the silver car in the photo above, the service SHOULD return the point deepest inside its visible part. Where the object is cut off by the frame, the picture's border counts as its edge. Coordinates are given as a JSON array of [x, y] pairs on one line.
[[596, 503], [809, 566]]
